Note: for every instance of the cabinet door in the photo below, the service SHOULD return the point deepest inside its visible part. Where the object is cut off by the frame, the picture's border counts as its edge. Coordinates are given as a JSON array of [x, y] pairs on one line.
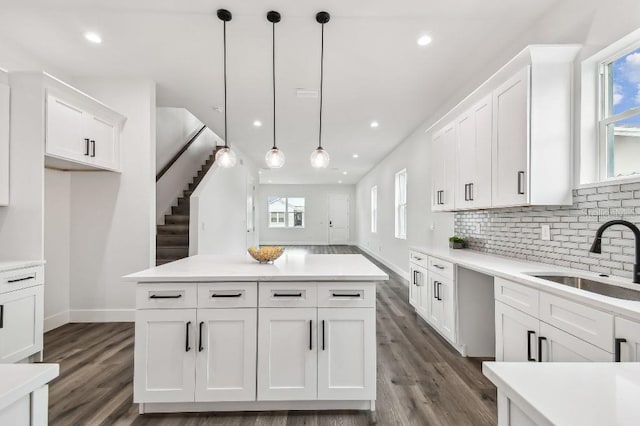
[[627, 340], [516, 335], [4, 144], [165, 355], [511, 141], [65, 136], [287, 354], [466, 164], [346, 353], [434, 305], [559, 346], [21, 323], [414, 290], [422, 282], [443, 169], [226, 361], [104, 149], [480, 188], [447, 295]]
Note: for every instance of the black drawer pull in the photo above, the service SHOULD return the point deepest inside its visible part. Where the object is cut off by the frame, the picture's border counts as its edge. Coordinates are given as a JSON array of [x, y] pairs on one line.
[[520, 183], [17, 280], [187, 348], [93, 145], [287, 294], [1, 316], [159, 296], [200, 347], [346, 295], [86, 146], [439, 296], [323, 335], [540, 340], [227, 295], [310, 335], [529, 334], [438, 266], [618, 349]]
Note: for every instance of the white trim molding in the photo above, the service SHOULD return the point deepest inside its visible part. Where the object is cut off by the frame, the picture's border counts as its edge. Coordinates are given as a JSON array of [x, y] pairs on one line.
[[56, 320], [102, 315]]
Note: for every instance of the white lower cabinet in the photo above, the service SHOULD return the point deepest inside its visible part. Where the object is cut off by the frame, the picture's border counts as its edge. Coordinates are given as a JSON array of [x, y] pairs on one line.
[[516, 334], [165, 355], [346, 354], [418, 292], [441, 305], [287, 354], [627, 341], [556, 345], [21, 323], [226, 359]]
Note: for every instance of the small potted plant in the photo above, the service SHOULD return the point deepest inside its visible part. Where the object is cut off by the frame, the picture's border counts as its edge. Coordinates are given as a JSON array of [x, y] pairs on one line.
[[457, 242]]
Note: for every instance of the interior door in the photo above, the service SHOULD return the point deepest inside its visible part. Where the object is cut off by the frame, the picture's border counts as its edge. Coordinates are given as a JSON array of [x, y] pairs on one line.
[[287, 354], [165, 355], [226, 360], [516, 335], [21, 315], [64, 135], [338, 219], [346, 353]]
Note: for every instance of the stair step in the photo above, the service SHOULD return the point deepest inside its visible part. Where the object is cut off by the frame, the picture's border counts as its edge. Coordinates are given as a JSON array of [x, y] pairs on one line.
[[187, 193], [163, 261], [180, 210], [173, 229], [171, 252], [176, 219], [172, 240]]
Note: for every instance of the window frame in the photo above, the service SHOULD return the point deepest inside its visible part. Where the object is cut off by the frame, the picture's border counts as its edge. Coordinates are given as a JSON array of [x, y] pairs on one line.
[[401, 209], [606, 117], [374, 209], [286, 213]]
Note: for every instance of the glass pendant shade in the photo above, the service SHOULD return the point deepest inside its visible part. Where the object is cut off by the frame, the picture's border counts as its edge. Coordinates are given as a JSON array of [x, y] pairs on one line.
[[225, 157], [319, 158], [275, 158]]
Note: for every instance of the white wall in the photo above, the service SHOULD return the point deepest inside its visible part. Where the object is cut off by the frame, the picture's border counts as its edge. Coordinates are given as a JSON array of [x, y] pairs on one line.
[[113, 215], [218, 212], [57, 248], [174, 128], [316, 229]]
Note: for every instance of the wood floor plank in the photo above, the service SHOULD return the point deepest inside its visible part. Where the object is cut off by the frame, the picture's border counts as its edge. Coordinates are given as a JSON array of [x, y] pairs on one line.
[[422, 380]]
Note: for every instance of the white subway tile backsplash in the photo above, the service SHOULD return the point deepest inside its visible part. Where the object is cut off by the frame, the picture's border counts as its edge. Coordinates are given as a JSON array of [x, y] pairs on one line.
[[515, 232]]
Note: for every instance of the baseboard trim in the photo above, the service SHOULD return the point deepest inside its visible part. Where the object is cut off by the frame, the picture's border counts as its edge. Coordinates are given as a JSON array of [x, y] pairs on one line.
[[56, 320], [395, 268], [102, 315]]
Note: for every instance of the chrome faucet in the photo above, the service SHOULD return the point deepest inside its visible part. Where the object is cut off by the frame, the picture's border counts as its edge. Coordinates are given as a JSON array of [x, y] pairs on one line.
[[596, 247]]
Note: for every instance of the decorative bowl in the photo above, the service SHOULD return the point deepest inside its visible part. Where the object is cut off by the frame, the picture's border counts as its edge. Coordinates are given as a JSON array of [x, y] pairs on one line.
[[265, 254]]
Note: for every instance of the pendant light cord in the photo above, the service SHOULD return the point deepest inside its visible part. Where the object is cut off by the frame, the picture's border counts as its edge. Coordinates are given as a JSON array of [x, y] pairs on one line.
[[321, 83], [273, 63], [224, 41]]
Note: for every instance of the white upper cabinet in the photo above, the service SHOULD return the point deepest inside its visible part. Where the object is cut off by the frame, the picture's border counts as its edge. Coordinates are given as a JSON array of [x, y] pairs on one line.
[[473, 156], [4, 139], [512, 136]]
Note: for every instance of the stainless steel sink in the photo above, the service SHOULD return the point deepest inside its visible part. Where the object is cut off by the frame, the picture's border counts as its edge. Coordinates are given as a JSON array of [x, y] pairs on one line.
[[593, 286]]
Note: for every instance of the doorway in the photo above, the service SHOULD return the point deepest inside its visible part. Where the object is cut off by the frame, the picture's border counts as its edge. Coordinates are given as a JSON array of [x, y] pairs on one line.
[[338, 219]]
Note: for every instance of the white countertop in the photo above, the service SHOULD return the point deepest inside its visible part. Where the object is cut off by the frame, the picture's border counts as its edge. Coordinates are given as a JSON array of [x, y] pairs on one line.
[[18, 380], [520, 270], [572, 393], [9, 265], [289, 267]]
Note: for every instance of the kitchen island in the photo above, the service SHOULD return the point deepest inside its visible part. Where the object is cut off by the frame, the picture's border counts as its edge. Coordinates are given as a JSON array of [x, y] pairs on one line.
[[224, 333]]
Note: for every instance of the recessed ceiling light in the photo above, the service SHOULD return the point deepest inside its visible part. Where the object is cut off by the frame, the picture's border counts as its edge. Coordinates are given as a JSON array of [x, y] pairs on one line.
[[374, 124], [424, 40], [344, 173], [93, 37], [355, 156], [257, 123]]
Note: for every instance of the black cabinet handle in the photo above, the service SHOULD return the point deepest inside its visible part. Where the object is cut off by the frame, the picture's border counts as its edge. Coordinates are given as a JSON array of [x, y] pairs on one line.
[[438, 266], [187, 348], [200, 347], [227, 295], [347, 294], [1, 316], [93, 146], [323, 335], [159, 296], [435, 290], [310, 335], [520, 182], [618, 349], [17, 280], [540, 340], [529, 334], [439, 297], [414, 278], [86, 146], [287, 294], [470, 191]]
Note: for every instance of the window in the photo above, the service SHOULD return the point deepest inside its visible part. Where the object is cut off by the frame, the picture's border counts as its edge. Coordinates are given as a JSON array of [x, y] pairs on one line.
[[401, 204], [619, 126], [286, 212], [374, 209]]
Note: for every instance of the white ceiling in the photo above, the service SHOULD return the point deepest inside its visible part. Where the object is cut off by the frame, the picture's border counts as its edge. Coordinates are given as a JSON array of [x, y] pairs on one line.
[[374, 70]]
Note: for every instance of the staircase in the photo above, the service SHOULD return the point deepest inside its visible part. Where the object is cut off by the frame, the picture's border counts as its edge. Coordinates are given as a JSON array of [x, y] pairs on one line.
[[172, 238]]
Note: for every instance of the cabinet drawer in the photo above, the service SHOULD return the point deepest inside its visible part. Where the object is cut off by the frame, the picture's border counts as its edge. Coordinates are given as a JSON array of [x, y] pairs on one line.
[[517, 296], [586, 323], [287, 295], [419, 258], [227, 295], [166, 295], [17, 279], [346, 294], [441, 267]]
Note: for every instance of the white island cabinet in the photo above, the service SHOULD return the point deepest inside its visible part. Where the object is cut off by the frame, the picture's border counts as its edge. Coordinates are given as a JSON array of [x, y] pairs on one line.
[[24, 393], [224, 333]]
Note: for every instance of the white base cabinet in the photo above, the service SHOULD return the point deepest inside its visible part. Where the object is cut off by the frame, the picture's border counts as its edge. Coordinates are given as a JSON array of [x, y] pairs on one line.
[[627, 341]]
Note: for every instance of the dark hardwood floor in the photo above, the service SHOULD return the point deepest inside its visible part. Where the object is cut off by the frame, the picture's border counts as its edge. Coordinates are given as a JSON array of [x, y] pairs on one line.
[[421, 379]]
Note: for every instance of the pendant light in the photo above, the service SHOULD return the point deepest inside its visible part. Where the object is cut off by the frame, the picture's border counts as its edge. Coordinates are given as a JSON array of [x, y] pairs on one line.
[[225, 157], [320, 158], [275, 157]]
